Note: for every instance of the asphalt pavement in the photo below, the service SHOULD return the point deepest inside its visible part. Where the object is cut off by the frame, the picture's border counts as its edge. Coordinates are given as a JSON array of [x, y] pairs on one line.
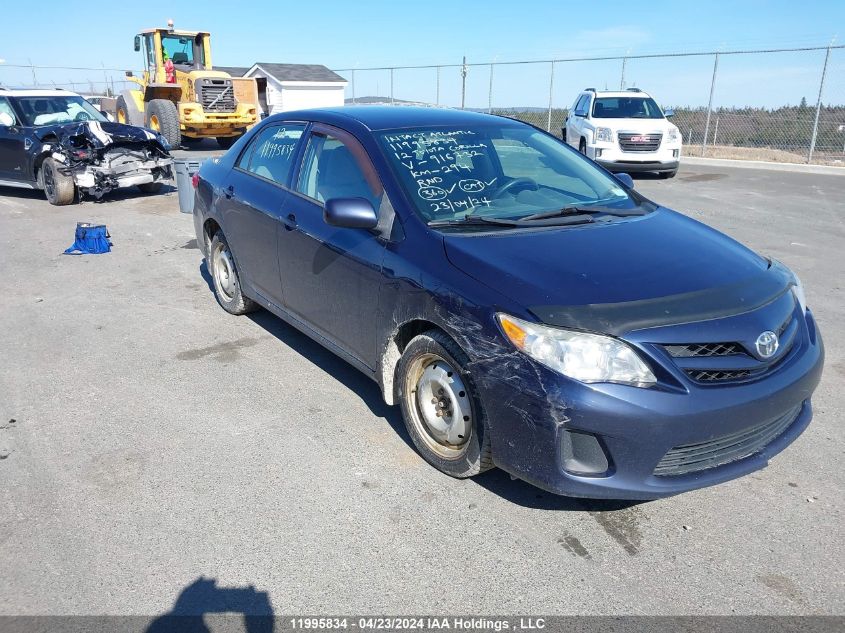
[[151, 444]]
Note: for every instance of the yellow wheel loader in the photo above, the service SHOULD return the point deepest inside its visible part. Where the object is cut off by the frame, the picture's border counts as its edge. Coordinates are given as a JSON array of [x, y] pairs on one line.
[[181, 96]]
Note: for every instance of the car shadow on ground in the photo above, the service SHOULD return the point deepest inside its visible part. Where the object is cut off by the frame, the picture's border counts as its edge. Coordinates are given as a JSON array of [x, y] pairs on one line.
[[203, 597], [495, 481]]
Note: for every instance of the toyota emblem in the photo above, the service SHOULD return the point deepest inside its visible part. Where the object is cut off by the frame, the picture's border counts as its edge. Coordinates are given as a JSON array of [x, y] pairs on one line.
[[767, 344]]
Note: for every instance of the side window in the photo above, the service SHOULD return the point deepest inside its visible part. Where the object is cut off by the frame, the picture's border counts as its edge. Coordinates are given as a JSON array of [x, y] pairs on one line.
[[6, 108], [331, 169], [270, 154], [583, 104]]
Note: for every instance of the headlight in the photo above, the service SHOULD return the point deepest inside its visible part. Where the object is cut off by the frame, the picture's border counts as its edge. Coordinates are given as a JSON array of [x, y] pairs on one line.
[[674, 135], [604, 134], [578, 355]]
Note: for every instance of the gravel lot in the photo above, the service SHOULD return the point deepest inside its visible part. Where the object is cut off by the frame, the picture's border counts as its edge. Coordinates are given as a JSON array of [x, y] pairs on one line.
[[157, 441]]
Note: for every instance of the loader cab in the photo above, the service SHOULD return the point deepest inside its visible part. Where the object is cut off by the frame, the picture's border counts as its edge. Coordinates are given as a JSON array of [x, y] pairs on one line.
[[189, 51]]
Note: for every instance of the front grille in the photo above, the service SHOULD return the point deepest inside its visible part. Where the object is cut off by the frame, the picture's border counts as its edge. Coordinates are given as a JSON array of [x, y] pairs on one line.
[[630, 142], [690, 458], [216, 95], [704, 349], [710, 375]]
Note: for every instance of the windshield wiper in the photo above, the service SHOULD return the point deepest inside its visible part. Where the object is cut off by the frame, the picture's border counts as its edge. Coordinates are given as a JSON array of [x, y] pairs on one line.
[[480, 220], [572, 210], [470, 220]]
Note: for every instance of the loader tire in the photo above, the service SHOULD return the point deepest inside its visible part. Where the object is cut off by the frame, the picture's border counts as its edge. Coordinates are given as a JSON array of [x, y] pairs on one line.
[[163, 117], [121, 112]]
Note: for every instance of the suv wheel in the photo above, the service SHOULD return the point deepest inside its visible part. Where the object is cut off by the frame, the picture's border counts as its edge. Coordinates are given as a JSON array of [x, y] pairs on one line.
[[58, 187], [582, 146], [442, 412]]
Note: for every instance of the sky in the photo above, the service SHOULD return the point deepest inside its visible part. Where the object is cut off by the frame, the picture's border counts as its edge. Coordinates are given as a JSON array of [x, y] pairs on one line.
[[362, 34]]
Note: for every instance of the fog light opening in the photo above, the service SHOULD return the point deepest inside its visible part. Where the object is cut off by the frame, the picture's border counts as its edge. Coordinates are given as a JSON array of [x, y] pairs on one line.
[[582, 454]]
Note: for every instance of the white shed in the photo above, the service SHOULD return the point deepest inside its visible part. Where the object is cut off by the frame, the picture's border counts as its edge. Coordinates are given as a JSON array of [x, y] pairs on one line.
[[297, 86]]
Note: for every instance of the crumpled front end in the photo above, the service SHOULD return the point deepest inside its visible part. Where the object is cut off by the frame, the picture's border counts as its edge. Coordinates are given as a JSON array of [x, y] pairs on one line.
[[102, 157]]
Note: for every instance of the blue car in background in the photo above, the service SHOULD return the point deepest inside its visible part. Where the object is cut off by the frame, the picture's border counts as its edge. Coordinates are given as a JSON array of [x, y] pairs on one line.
[[525, 308]]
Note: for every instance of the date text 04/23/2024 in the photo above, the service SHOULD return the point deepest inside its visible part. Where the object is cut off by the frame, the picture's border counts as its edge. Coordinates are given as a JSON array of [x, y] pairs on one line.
[[418, 623]]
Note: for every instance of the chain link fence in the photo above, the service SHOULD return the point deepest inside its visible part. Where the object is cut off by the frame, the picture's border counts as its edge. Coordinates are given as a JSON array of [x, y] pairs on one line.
[[784, 105]]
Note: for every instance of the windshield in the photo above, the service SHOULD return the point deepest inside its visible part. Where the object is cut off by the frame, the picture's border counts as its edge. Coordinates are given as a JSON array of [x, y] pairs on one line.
[[179, 49], [53, 110], [626, 108], [503, 171]]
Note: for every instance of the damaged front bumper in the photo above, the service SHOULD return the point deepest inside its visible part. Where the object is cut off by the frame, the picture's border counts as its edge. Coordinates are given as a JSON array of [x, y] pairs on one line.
[[610, 441], [102, 157], [120, 168]]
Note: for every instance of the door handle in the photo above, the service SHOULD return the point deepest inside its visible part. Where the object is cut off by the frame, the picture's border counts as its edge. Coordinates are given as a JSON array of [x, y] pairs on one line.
[[290, 222], [230, 191]]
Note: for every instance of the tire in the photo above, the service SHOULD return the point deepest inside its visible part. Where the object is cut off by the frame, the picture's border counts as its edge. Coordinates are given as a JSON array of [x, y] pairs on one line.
[[582, 147], [150, 187], [227, 284], [58, 187], [121, 112], [162, 116], [225, 142], [432, 367], [668, 174]]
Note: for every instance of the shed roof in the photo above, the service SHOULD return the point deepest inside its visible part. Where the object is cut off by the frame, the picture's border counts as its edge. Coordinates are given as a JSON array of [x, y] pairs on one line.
[[298, 72]]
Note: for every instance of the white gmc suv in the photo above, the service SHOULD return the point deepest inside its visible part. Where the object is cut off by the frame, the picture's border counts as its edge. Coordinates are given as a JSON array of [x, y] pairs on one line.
[[624, 131]]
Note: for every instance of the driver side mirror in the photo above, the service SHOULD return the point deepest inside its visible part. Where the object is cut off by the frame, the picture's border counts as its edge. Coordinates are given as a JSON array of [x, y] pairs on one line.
[[625, 179], [6, 119], [669, 113], [137, 43], [351, 213]]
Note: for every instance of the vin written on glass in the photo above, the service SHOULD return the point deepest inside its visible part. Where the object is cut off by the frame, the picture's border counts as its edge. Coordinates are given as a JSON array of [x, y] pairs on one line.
[[444, 165]]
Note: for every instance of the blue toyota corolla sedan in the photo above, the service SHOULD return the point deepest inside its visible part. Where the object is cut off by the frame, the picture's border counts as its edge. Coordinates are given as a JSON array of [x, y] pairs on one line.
[[525, 308]]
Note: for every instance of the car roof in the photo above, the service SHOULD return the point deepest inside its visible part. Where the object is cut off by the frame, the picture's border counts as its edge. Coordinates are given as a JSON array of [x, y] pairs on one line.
[[620, 93], [392, 117], [11, 92]]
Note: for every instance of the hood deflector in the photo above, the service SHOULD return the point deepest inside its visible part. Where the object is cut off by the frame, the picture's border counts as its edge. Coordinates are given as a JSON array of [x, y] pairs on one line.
[[711, 303]]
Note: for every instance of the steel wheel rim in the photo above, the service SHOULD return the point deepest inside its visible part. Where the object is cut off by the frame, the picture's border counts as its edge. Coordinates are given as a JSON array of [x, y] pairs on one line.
[[121, 116], [434, 386], [154, 124], [224, 273]]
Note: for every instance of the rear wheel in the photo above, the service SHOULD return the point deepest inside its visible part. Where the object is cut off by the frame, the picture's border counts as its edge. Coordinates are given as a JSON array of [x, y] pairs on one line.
[[163, 116], [121, 114], [442, 412], [668, 174], [225, 142], [227, 284], [58, 187]]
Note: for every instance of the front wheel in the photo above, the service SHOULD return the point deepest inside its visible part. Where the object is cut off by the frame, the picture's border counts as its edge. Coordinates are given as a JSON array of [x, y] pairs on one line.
[[442, 412], [668, 174], [163, 117], [582, 147], [227, 284], [58, 187]]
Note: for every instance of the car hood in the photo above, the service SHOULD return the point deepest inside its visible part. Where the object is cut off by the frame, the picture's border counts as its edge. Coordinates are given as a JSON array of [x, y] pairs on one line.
[[643, 126], [630, 262], [101, 134]]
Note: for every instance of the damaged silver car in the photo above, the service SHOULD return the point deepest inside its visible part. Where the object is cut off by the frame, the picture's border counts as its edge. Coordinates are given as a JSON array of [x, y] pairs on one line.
[[56, 141]]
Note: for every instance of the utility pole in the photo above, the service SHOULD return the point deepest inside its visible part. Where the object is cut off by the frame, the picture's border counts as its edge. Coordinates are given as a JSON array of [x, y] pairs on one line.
[[710, 105], [818, 106]]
